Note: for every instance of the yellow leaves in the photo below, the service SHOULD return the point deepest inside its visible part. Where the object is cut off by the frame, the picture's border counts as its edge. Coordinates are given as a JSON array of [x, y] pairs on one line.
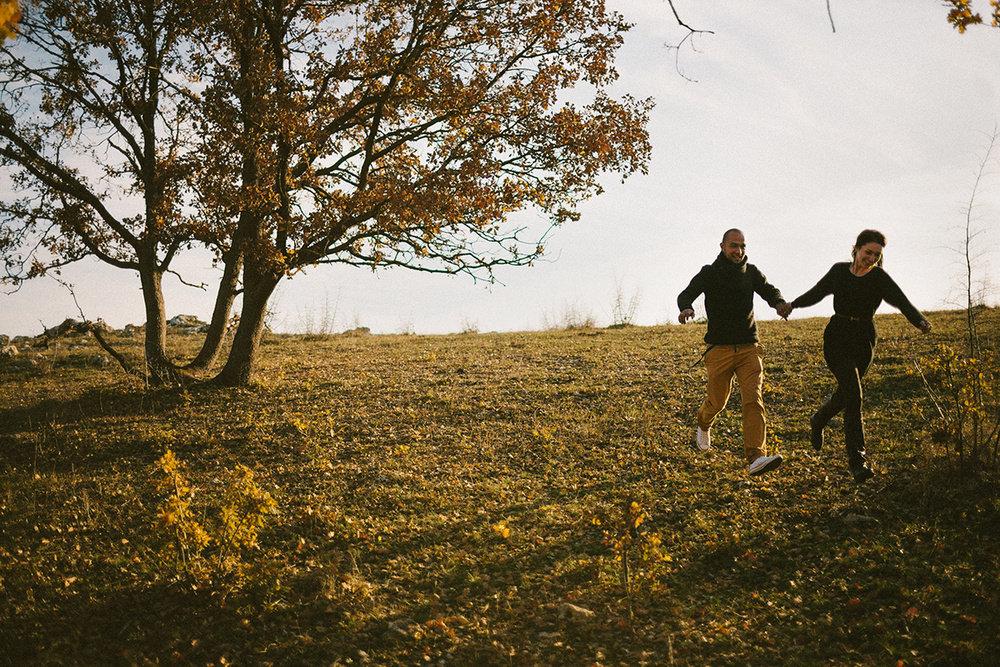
[[167, 516], [502, 529], [168, 463], [544, 435], [961, 15], [243, 512], [966, 394], [245, 509], [636, 514], [10, 14]]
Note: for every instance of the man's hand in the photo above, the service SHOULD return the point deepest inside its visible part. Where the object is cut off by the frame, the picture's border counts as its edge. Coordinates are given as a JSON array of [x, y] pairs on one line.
[[783, 309], [925, 326], [685, 315]]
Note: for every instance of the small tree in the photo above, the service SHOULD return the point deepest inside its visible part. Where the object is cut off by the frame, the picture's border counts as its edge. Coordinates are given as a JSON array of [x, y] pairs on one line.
[[966, 395], [973, 249], [965, 387], [95, 136]]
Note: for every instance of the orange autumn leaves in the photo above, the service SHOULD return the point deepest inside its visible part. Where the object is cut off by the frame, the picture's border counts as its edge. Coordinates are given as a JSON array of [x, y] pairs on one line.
[[961, 14], [10, 14]]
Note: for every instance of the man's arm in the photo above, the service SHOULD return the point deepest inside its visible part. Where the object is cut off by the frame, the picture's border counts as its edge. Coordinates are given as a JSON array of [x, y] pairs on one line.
[[771, 294], [685, 300]]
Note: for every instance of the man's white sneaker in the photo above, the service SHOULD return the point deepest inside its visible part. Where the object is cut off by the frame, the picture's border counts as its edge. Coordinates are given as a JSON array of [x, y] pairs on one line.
[[764, 464], [703, 440]]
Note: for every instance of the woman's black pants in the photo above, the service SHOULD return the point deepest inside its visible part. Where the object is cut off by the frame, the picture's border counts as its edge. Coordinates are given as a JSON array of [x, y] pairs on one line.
[[848, 347]]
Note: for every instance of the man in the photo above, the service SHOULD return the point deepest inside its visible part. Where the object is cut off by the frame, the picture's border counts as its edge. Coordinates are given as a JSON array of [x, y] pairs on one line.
[[729, 284]]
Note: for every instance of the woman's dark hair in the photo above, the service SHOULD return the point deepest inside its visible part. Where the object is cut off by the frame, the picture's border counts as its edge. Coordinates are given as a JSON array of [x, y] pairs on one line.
[[866, 237], [870, 236]]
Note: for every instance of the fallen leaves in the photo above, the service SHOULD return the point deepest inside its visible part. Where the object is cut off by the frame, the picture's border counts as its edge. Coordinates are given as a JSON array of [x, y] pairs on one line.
[[430, 515]]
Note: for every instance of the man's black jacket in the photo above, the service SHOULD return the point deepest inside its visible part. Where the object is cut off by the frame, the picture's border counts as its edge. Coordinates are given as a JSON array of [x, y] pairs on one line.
[[729, 290]]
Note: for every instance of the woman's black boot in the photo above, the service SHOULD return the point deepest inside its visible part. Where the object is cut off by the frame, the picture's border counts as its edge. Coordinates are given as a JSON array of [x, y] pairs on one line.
[[862, 473], [857, 457], [820, 419]]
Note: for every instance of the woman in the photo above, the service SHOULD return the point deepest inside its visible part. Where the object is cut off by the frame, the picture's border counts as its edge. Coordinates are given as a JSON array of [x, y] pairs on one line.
[[858, 288]]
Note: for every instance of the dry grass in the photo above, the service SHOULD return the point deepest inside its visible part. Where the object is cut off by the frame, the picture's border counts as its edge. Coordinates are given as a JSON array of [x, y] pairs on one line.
[[473, 500]]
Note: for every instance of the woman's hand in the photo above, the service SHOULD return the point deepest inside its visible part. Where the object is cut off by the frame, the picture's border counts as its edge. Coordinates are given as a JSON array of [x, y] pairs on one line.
[[924, 326]]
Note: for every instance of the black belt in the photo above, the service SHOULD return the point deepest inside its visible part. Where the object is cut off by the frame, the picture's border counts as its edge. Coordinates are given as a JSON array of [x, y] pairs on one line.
[[853, 319]]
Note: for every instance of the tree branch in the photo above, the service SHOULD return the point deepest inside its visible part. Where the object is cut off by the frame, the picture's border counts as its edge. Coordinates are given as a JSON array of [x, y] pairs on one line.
[[691, 32]]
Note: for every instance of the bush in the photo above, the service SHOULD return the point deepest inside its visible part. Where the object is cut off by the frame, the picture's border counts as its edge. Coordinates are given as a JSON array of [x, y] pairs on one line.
[[209, 550], [965, 391]]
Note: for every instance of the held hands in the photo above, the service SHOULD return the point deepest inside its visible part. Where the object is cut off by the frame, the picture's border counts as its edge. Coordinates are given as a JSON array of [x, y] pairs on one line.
[[685, 315]]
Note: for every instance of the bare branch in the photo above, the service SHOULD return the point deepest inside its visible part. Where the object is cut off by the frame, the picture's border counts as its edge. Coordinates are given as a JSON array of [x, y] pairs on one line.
[[930, 392], [180, 278], [689, 36], [682, 23]]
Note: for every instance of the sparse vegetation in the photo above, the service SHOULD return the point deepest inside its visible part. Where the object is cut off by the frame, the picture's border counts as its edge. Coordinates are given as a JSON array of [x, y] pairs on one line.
[[966, 394], [623, 308], [573, 316], [217, 546], [974, 248], [497, 499]]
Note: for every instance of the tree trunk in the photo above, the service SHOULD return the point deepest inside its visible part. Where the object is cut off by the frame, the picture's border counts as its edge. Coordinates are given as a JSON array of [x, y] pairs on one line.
[[233, 262], [159, 368], [257, 291], [250, 235]]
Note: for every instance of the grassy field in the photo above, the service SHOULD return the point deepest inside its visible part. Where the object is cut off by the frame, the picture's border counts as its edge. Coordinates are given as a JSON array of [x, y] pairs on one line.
[[488, 499]]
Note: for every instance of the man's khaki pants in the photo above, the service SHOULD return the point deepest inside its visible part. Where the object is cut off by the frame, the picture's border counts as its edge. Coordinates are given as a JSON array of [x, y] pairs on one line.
[[745, 362]]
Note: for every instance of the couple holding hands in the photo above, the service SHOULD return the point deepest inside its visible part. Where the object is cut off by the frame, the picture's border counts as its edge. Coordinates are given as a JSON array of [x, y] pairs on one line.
[[729, 284]]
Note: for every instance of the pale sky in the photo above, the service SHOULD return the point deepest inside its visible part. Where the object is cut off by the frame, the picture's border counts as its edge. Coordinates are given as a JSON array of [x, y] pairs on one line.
[[796, 134]]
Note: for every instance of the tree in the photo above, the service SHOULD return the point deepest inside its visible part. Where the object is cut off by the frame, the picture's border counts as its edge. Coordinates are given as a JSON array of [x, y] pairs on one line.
[[94, 137], [410, 140], [974, 287], [962, 16], [286, 134]]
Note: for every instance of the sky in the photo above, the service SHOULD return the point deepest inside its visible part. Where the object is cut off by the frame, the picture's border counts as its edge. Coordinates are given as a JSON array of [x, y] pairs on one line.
[[776, 123]]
